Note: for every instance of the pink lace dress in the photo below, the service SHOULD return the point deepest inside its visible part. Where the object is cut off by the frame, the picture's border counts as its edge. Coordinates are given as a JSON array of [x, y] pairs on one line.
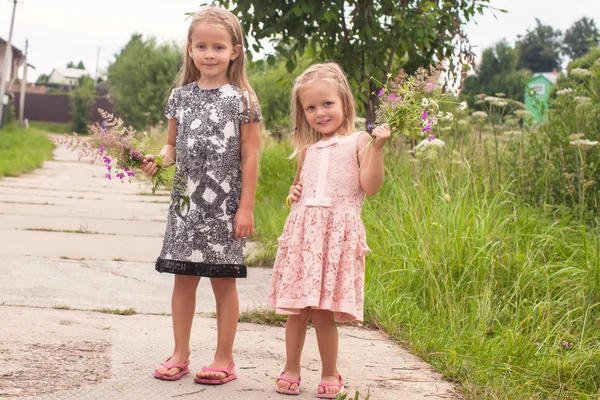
[[320, 261]]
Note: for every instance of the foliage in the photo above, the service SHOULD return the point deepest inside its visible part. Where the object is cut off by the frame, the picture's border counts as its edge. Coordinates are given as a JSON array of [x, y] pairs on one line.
[[42, 79], [366, 38], [539, 50], [497, 73], [52, 127], [80, 65], [273, 85], [140, 78], [82, 100], [580, 37], [22, 150]]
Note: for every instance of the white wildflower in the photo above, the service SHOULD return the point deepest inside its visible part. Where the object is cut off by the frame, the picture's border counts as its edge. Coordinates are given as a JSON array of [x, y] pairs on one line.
[[500, 94], [580, 72], [434, 121], [564, 92], [434, 104], [428, 149], [425, 102], [584, 144], [582, 99], [449, 116], [523, 114], [462, 106], [576, 136], [479, 115], [500, 103], [440, 114], [490, 99], [455, 92]]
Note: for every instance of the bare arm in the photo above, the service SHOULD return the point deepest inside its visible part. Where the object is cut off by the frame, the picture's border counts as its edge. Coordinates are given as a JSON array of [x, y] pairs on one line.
[[244, 218], [371, 159], [295, 191], [168, 151]]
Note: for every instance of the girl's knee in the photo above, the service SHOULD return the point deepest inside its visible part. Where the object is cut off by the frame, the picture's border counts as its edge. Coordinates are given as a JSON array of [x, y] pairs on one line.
[[321, 317], [186, 281]]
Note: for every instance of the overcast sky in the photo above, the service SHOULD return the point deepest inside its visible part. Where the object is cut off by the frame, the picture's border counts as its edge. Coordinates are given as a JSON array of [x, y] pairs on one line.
[[60, 31]]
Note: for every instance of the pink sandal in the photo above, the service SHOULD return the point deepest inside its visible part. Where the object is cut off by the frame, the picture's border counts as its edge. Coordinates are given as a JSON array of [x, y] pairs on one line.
[[325, 385], [183, 370], [291, 382], [212, 381]]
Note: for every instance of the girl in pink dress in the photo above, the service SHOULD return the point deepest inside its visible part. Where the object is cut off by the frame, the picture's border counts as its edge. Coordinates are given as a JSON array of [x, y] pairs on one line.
[[319, 268]]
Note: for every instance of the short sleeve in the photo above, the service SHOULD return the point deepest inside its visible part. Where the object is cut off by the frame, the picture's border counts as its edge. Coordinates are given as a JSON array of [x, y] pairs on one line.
[[250, 108], [172, 104]]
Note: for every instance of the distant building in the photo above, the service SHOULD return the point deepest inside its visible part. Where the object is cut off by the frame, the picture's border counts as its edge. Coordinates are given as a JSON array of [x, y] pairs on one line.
[[67, 76], [537, 93], [16, 61]]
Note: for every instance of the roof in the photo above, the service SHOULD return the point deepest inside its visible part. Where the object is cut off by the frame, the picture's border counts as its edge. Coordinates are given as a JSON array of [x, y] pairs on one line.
[[550, 76], [16, 51], [75, 73]]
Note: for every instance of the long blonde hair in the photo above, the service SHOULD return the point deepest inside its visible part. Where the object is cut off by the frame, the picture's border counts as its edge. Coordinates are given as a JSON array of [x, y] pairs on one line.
[[236, 73], [304, 134]]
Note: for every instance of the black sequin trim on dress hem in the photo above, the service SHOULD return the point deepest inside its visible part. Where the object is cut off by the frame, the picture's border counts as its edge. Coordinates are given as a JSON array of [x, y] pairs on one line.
[[201, 269]]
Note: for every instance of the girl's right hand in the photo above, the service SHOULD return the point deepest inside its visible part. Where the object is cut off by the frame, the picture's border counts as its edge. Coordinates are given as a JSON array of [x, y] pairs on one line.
[[148, 165], [296, 192]]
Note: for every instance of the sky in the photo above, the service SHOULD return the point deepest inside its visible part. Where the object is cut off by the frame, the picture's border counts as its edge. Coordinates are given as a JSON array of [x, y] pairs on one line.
[[60, 31]]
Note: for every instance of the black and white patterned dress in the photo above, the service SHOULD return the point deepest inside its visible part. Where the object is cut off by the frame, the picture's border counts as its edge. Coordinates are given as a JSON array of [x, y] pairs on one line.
[[208, 182]]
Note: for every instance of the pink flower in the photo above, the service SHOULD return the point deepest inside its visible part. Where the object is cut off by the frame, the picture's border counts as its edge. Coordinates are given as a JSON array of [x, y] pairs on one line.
[[381, 92], [429, 86], [431, 138], [427, 128], [392, 97], [107, 176], [424, 115]]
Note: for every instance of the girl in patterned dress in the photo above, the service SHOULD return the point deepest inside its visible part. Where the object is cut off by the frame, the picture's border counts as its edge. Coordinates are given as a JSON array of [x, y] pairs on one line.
[[213, 140], [319, 268]]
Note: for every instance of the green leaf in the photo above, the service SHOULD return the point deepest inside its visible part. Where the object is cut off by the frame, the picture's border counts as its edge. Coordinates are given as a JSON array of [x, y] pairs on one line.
[[271, 59], [290, 65]]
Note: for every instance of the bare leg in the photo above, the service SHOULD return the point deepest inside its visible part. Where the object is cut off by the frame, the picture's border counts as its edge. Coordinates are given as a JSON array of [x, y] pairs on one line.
[[228, 310], [183, 306], [295, 334], [327, 339]]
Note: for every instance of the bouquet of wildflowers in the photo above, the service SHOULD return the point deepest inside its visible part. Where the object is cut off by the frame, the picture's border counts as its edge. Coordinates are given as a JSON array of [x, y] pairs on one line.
[[118, 148], [410, 106]]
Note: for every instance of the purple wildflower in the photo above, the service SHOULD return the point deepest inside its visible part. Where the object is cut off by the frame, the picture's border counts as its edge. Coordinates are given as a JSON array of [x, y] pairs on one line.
[[108, 167], [130, 174], [424, 115], [381, 92], [108, 176], [426, 128], [392, 97], [106, 160], [101, 149], [370, 126], [429, 87], [431, 138], [120, 175], [556, 221], [136, 155]]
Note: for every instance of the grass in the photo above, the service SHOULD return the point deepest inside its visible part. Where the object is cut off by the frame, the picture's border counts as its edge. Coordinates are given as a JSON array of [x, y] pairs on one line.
[[52, 127], [263, 316], [116, 311], [22, 150], [492, 292]]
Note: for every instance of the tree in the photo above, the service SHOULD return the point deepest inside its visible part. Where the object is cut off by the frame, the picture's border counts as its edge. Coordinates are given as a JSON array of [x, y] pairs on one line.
[[82, 100], [580, 37], [71, 64], [539, 50], [140, 79], [367, 38], [497, 72], [42, 79]]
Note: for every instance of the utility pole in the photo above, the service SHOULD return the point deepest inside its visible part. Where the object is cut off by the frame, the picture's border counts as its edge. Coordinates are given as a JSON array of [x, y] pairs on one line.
[[23, 87], [97, 64], [7, 59]]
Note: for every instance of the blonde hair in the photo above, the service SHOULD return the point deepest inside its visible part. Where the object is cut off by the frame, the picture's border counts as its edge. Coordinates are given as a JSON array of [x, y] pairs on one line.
[[236, 73], [304, 134]]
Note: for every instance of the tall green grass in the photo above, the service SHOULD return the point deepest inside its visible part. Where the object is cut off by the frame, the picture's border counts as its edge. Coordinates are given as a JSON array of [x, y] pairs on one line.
[[22, 150], [494, 293]]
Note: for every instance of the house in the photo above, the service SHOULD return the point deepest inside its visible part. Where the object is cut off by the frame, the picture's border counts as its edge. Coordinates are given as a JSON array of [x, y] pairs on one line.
[[17, 59], [67, 76], [537, 93]]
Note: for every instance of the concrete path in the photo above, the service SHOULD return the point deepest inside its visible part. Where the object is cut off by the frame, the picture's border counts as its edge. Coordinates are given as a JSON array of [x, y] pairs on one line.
[[73, 242]]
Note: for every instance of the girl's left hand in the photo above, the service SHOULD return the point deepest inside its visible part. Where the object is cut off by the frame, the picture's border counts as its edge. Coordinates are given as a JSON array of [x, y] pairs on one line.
[[243, 223], [381, 134]]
